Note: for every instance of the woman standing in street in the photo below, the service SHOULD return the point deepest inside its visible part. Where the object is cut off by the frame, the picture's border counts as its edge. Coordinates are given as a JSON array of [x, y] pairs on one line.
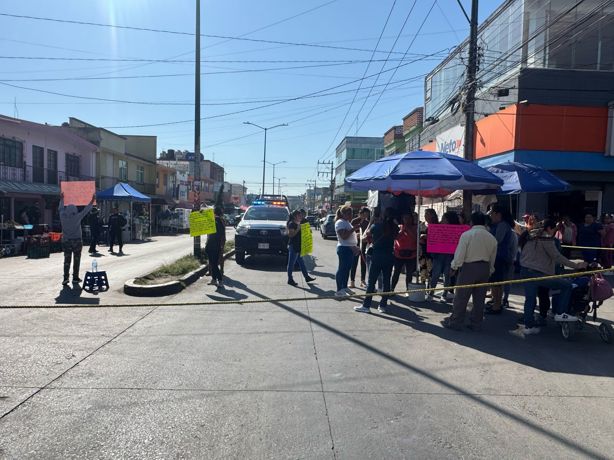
[[346, 249], [383, 233], [405, 250], [442, 262], [360, 224], [214, 248], [294, 248]]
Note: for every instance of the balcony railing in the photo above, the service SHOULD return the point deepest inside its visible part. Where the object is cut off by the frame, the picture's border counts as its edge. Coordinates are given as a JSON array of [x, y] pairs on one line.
[[34, 175]]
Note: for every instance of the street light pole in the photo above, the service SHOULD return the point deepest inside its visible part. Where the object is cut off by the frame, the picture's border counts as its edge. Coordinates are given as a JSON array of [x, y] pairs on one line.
[[275, 164], [264, 156], [197, 125]]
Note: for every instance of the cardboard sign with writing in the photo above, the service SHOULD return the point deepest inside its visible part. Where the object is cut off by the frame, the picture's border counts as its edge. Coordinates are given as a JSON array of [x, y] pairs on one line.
[[306, 240], [78, 193], [202, 222], [443, 238]]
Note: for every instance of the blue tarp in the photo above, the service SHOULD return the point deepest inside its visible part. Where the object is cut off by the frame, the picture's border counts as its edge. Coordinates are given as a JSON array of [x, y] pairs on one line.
[[525, 178], [122, 192]]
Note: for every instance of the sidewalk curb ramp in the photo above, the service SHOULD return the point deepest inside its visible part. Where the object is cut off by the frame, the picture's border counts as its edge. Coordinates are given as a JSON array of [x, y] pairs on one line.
[[170, 287]]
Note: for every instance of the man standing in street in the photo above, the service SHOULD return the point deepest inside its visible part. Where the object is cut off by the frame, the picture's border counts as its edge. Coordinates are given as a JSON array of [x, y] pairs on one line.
[[72, 238], [475, 259], [94, 223], [214, 248], [116, 224]]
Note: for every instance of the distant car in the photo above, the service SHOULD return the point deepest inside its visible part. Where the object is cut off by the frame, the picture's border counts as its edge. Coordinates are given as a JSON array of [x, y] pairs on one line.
[[313, 220], [327, 227], [262, 231]]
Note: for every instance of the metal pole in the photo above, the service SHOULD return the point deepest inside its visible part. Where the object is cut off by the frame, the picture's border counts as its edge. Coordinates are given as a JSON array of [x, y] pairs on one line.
[[274, 178], [264, 161], [197, 121], [470, 101]]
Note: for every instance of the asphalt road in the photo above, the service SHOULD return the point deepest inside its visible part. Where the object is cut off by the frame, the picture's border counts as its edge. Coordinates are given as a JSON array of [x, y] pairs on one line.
[[308, 379]]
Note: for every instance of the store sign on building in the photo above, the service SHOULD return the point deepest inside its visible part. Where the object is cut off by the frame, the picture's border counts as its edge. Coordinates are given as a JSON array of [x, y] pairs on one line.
[[452, 141]]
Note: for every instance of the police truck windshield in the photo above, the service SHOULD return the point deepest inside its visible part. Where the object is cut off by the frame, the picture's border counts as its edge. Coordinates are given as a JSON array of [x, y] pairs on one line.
[[266, 213]]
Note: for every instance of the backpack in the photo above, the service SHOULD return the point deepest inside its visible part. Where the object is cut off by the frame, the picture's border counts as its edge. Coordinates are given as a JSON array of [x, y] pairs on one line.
[[599, 288]]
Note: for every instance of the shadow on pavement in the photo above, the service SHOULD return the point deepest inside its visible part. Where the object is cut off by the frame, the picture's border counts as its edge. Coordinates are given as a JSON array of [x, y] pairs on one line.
[[503, 346], [265, 263], [70, 295]]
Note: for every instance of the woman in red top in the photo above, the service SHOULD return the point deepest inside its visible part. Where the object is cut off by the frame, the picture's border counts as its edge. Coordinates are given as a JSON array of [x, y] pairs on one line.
[[405, 250]]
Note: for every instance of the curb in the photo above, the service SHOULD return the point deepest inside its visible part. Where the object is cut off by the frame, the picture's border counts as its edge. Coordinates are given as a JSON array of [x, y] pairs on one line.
[[169, 288]]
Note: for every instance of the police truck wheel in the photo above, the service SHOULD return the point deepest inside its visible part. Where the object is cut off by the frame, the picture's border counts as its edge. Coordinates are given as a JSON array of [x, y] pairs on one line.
[[568, 330], [240, 257]]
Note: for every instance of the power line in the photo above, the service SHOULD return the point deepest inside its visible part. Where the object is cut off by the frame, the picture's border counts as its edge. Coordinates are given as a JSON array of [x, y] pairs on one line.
[[191, 61], [178, 32]]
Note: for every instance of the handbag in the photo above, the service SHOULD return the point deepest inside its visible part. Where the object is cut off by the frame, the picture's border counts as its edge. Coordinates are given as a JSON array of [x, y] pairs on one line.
[[599, 288]]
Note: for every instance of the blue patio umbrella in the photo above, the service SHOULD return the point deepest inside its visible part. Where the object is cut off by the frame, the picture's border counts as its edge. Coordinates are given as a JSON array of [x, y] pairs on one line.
[[422, 171], [525, 178]]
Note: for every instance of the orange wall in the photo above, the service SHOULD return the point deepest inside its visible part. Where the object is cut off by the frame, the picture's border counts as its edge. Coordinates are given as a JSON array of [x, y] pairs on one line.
[[563, 128], [430, 147], [496, 133]]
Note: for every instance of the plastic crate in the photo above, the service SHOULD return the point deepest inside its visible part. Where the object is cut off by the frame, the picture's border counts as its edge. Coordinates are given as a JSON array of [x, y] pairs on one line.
[[38, 252]]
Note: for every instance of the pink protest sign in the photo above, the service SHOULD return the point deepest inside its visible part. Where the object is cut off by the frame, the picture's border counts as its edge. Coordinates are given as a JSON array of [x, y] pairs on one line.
[[443, 238], [78, 193]]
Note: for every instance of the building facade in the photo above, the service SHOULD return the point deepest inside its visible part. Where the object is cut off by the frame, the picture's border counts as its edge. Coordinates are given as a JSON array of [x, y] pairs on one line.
[[546, 77], [352, 154], [34, 159], [394, 141], [120, 158], [412, 128]]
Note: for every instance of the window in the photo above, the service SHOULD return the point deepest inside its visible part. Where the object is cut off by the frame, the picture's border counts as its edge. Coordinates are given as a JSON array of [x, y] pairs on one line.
[[38, 164], [11, 153], [52, 166], [123, 170], [140, 174], [73, 168], [429, 88]]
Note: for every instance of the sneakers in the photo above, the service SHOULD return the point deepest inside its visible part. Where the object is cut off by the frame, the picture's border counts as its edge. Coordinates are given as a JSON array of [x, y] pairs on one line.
[[446, 297], [530, 330], [292, 282], [381, 309], [361, 309], [565, 317], [220, 286], [349, 291], [341, 293]]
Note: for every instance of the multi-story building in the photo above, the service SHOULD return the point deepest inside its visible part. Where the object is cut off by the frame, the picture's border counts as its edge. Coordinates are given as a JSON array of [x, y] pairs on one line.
[[545, 95], [352, 154], [120, 158], [34, 159], [412, 128], [394, 141]]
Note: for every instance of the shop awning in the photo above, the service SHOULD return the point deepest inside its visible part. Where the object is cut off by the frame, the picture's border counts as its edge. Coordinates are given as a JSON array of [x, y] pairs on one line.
[[27, 188]]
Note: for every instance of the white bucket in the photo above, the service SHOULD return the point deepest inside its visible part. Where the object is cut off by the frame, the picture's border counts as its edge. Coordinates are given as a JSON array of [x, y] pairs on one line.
[[416, 296]]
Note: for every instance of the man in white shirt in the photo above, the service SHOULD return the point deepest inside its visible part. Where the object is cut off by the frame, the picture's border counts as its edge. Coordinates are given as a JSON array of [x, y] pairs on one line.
[[475, 259]]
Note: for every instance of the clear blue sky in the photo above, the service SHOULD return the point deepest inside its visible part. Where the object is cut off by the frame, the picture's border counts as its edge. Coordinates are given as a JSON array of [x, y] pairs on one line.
[[314, 122]]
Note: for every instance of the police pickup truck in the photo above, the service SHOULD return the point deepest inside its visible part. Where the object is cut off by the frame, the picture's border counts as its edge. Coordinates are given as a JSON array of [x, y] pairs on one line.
[[262, 230]]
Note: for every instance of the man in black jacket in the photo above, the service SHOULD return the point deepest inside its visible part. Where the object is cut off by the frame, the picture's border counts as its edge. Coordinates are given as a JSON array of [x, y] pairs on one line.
[[116, 223], [94, 223]]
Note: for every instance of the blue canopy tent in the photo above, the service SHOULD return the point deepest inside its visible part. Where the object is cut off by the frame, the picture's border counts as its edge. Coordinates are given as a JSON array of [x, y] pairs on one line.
[[125, 192], [421, 171]]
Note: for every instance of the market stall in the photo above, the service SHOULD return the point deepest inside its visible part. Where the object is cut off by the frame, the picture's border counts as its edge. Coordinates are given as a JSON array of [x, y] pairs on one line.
[[134, 205]]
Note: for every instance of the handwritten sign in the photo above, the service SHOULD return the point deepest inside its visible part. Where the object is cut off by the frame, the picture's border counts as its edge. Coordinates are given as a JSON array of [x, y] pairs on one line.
[[78, 193], [202, 222], [443, 238], [306, 240]]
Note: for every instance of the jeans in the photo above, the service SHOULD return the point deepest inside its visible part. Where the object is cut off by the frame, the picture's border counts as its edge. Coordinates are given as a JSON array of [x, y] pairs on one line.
[[410, 268], [380, 281], [294, 256], [72, 250], [441, 265], [114, 236], [560, 302], [213, 256], [380, 265], [344, 253]]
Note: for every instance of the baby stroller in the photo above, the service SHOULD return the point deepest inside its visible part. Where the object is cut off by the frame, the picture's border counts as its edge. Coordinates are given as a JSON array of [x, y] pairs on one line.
[[587, 295]]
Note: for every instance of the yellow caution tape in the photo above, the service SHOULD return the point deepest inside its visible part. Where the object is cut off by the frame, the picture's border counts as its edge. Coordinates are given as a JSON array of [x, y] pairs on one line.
[[312, 298], [587, 247]]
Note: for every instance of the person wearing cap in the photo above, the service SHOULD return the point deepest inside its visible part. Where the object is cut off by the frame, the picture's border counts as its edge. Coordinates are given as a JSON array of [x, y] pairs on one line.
[[474, 259], [72, 237], [94, 223]]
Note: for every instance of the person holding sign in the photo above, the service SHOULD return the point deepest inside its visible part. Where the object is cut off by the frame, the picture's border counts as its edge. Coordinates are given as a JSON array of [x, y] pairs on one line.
[[294, 248], [214, 248], [72, 238]]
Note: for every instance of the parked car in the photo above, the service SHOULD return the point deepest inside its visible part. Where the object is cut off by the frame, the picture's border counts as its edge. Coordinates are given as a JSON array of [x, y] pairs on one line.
[[313, 221], [327, 227]]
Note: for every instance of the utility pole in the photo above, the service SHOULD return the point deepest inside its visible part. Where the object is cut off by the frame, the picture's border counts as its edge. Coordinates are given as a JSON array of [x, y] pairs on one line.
[[311, 183], [264, 162], [470, 86], [331, 175], [197, 126]]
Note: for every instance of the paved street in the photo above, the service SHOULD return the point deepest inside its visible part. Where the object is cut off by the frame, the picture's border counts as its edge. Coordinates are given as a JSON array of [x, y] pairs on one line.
[[308, 379]]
